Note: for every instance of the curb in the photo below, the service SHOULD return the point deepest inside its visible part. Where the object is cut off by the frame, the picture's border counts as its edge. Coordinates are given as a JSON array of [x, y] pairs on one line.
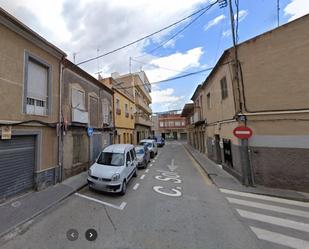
[[210, 175], [39, 212], [198, 162]]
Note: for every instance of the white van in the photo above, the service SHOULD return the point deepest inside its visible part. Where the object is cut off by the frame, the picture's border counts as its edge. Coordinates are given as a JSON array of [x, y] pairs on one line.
[[113, 169]]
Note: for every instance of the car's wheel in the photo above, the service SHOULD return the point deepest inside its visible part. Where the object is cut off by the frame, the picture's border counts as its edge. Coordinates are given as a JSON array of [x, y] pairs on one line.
[[123, 188], [135, 173]]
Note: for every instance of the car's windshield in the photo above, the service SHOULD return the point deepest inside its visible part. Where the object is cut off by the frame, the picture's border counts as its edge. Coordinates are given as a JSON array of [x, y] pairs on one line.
[[111, 159], [146, 143], [139, 151]]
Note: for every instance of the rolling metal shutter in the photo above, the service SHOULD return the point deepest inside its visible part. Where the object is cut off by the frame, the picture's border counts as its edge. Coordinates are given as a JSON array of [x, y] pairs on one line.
[[17, 163]]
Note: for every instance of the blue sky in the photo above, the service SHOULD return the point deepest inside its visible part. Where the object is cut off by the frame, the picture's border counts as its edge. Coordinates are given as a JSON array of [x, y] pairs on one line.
[[260, 17], [91, 27]]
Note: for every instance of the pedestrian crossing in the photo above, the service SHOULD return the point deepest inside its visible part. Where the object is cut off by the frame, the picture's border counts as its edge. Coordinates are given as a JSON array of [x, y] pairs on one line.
[[275, 220]]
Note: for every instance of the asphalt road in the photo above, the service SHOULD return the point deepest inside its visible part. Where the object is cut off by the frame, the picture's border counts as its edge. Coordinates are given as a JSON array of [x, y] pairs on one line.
[[171, 204]]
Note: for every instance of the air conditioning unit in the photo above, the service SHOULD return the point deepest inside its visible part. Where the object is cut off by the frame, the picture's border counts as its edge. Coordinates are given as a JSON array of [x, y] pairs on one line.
[[80, 116]]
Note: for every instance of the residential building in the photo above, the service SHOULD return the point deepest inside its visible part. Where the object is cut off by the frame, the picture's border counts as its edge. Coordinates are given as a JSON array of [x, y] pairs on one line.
[[138, 86], [155, 125], [188, 113], [172, 125], [123, 109], [86, 104], [29, 110], [270, 97]]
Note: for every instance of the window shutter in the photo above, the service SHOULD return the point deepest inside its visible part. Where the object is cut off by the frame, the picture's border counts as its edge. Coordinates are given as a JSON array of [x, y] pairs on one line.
[[105, 110], [37, 81]]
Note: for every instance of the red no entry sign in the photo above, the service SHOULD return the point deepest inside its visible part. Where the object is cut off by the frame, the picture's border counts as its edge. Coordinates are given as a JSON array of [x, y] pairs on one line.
[[242, 132]]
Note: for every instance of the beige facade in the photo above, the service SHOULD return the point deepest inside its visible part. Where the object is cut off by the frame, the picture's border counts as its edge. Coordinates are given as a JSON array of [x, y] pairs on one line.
[[86, 103], [137, 85], [271, 98], [29, 65]]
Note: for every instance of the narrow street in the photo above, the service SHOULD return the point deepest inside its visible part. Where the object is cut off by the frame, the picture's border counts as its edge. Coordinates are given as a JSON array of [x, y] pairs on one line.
[[171, 204]]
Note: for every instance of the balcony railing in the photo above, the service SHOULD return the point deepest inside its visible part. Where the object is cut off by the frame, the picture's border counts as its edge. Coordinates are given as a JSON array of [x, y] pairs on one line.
[[142, 121], [143, 105]]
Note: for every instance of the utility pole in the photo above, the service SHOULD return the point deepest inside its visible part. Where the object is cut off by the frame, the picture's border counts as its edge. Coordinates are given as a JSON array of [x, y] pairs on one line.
[[247, 176], [130, 64], [278, 13]]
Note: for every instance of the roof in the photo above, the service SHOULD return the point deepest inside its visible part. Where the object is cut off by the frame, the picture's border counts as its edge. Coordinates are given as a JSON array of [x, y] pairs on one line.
[[118, 148], [17, 26], [187, 109], [229, 50], [196, 91], [73, 67]]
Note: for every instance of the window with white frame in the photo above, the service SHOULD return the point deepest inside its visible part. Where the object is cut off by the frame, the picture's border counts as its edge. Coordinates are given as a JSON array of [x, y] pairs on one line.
[[37, 83], [78, 99], [177, 123], [161, 124]]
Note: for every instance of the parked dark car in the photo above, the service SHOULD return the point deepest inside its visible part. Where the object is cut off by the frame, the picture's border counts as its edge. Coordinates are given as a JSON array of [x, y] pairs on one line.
[[143, 156], [160, 141]]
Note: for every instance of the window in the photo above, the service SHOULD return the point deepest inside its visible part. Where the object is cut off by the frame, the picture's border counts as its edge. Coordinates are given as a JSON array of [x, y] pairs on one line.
[[128, 158], [183, 123], [111, 159], [78, 99], [94, 111], [177, 123], [224, 92], [106, 111], [208, 101], [132, 154], [170, 123], [161, 124], [118, 110], [37, 83], [126, 110]]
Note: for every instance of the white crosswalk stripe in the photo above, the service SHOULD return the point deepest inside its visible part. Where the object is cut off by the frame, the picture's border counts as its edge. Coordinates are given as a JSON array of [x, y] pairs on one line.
[[272, 219]]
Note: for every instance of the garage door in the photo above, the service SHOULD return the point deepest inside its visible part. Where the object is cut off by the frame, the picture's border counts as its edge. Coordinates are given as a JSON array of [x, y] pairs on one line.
[[17, 161]]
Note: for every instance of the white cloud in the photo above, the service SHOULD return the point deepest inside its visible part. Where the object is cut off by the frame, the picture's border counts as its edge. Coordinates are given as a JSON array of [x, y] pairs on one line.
[[296, 9], [164, 96], [214, 22], [83, 26], [227, 33], [177, 61], [242, 14]]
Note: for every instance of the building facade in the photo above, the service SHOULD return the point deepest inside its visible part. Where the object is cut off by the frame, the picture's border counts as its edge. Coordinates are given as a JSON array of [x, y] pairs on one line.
[[172, 126], [86, 104], [123, 110], [271, 100], [138, 86], [29, 110]]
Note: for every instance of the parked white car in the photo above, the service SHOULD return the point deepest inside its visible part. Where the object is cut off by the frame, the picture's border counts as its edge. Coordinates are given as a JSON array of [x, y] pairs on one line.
[[113, 169], [152, 146]]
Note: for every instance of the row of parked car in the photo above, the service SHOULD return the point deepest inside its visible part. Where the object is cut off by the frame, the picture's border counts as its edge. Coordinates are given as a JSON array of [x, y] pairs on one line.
[[118, 163]]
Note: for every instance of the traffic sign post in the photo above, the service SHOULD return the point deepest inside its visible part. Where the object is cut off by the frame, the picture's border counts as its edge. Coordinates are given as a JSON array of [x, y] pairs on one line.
[[243, 133]]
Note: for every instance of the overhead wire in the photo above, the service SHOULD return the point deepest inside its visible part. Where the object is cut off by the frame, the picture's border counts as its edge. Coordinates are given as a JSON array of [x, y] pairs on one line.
[[156, 66], [144, 37], [174, 78], [180, 31]]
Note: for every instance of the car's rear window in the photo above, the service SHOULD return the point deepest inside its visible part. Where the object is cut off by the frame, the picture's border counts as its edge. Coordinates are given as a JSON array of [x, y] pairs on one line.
[[139, 151], [111, 159]]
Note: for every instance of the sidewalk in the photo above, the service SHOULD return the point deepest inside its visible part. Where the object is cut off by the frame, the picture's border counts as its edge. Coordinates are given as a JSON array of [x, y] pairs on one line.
[[222, 179], [21, 210]]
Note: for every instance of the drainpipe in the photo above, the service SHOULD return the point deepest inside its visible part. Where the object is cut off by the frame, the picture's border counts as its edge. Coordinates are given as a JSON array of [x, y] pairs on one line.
[[60, 134]]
